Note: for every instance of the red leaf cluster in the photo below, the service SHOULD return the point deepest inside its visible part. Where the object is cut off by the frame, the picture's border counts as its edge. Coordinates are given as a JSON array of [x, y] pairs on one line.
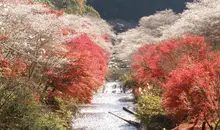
[[80, 71], [187, 70], [48, 11], [6, 37], [106, 38], [193, 91], [67, 32], [12, 68], [85, 71], [153, 62]]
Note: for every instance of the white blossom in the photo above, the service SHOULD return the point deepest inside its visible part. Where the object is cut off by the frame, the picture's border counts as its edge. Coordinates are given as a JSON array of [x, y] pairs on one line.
[[149, 30], [201, 17], [32, 28]]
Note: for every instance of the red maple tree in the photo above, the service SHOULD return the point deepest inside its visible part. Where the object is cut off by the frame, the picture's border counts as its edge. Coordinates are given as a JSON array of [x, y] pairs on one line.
[[188, 71], [85, 71]]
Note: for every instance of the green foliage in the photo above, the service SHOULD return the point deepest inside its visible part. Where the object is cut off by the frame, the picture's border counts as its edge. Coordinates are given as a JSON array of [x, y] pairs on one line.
[[91, 11], [151, 113], [71, 7], [128, 81], [40, 118], [21, 109]]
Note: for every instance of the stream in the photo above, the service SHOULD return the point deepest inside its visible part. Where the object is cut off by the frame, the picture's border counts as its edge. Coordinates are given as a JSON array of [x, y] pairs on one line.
[[96, 116]]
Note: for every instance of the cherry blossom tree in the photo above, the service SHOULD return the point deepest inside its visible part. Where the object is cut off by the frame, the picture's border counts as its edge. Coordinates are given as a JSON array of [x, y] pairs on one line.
[[200, 18], [37, 34]]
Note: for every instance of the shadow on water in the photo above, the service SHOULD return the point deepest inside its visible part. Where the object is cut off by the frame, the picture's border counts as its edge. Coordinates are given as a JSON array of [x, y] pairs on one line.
[[126, 100]]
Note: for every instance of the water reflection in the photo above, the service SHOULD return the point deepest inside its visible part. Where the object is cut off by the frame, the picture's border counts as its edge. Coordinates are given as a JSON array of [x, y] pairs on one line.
[[95, 116]]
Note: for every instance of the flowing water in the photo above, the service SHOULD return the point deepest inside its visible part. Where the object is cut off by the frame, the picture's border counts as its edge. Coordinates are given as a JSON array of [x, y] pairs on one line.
[[96, 116]]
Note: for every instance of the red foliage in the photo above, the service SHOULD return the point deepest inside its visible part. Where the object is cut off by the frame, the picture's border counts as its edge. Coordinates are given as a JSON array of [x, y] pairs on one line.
[[45, 5], [145, 65], [12, 68], [86, 24], [85, 71], [6, 37], [106, 38], [192, 91], [152, 63], [65, 32], [30, 2], [188, 71], [49, 11], [73, 32]]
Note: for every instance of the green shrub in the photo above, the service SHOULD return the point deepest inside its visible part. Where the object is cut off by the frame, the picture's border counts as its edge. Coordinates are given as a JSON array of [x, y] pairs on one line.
[[19, 108], [151, 113], [91, 11], [128, 81]]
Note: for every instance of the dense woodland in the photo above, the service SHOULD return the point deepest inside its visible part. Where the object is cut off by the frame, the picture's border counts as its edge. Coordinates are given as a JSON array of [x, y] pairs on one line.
[[55, 55]]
